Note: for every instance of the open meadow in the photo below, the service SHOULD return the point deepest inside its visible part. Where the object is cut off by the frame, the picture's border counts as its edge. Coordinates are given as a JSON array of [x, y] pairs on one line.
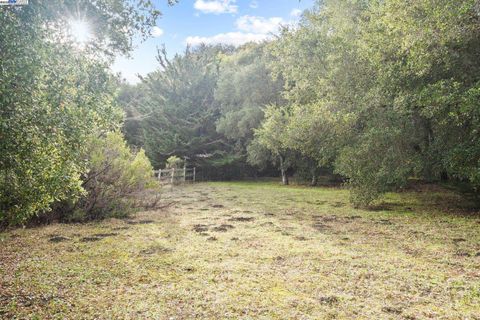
[[247, 250]]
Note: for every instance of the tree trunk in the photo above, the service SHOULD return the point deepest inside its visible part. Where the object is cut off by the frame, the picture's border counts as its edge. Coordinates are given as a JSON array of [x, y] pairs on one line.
[[284, 177], [283, 170], [314, 180]]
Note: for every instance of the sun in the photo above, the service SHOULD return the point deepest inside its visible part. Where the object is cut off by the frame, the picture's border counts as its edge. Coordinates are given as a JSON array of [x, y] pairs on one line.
[[80, 31]]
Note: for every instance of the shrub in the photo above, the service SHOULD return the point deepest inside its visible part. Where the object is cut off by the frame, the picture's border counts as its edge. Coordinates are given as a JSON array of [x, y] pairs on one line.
[[116, 182], [174, 162]]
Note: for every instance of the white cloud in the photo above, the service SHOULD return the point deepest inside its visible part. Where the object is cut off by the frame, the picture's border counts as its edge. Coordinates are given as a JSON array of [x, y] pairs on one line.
[[253, 4], [230, 38], [216, 6], [258, 24], [295, 12], [157, 32], [249, 29]]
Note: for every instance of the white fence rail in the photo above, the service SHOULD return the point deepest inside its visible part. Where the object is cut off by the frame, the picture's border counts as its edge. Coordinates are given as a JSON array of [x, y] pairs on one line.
[[176, 175]]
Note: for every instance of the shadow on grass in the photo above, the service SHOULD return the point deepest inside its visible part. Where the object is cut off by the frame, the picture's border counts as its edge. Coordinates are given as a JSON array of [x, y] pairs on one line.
[[445, 198]]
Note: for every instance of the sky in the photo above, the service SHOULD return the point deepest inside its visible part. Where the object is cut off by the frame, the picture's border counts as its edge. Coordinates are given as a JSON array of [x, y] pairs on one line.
[[208, 21]]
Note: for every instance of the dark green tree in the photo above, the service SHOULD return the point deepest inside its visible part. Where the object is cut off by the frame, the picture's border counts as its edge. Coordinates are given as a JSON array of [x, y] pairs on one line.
[[180, 109]]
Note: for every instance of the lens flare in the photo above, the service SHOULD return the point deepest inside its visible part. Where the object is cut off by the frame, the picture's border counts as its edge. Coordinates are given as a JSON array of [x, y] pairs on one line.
[[80, 31]]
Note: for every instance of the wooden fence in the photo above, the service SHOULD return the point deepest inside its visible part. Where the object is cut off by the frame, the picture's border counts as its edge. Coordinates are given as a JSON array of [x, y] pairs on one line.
[[176, 175]]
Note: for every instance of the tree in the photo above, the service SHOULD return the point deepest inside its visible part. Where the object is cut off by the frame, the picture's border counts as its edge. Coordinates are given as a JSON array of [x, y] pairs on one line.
[[245, 86], [182, 112], [130, 99], [54, 94], [269, 141], [384, 90]]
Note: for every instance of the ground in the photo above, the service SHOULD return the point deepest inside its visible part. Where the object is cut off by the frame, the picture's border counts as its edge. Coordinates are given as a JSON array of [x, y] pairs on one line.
[[252, 251]]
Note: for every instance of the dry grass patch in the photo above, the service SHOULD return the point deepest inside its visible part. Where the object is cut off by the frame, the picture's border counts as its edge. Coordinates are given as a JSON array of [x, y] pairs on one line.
[[250, 251]]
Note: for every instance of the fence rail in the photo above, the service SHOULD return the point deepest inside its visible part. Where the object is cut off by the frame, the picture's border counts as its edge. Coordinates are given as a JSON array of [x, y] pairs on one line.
[[175, 175]]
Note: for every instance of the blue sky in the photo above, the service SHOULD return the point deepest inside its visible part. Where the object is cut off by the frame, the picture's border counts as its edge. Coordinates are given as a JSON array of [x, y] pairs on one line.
[[209, 21]]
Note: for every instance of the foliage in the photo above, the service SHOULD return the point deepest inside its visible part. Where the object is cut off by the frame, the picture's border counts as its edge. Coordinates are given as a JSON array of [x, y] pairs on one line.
[[203, 105], [129, 98], [115, 180], [174, 162], [179, 102], [245, 86], [53, 94], [269, 141], [382, 90]]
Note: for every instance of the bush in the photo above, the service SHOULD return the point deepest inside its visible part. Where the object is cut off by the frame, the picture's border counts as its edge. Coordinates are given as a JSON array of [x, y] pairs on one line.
[[380, 162], [174, 162], [117, 181]]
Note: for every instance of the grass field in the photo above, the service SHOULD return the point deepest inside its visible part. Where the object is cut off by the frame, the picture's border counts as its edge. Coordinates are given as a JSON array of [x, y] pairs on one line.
[[252, 251]]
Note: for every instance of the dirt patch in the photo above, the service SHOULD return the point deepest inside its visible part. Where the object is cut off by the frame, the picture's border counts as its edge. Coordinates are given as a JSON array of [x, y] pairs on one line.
[[326, 218], [90, 239], [354, 217], [223, 228], [105, 235], [417, 233], [57, 239], [393, 310], [330, 300], [384, 222], [242, 219], [97, 237], [381, 207], [338, 205], [200, 228], [27, 300], [133, 222], [155, 250], [120, 228], [462, 254], [267, 224], [301, 238], [335, 218], [321, 227]]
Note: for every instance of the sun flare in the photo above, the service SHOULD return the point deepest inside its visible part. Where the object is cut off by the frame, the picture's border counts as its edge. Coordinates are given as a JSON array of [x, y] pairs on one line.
[[80, 31]]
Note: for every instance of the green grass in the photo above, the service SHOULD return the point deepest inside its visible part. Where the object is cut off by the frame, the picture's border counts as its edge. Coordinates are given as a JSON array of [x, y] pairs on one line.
[[252, 251]]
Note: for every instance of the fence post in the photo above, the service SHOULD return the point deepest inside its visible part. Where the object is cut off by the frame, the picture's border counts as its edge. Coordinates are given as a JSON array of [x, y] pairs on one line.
[[184, 174], [173, 175], [194, 174], [160, 174]]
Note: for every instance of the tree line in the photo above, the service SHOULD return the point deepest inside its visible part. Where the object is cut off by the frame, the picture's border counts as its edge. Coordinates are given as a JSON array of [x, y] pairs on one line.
[[377, 92]]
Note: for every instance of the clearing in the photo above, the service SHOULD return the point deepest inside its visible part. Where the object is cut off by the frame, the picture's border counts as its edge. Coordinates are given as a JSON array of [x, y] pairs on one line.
[[252, 251]]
